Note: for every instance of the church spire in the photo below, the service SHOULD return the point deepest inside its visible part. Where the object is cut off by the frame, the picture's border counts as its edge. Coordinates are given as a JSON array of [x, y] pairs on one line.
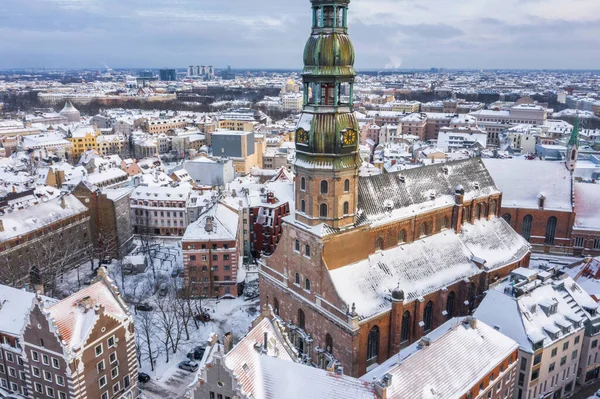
[[573, 146], [327, 158]]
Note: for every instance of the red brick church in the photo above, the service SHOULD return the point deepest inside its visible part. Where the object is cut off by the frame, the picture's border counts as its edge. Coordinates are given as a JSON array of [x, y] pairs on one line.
[[368, 265]]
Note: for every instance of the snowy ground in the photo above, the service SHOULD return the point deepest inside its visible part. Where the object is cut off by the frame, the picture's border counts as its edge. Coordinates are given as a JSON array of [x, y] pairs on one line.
[[227, 315]]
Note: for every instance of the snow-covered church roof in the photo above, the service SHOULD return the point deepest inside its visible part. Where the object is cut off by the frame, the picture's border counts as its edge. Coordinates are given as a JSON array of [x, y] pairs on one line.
[[427, 265], [392, 196]]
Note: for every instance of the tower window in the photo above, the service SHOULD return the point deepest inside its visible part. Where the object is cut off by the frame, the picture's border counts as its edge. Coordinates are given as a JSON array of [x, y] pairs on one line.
[[303, 184], [373, 345], [402, 236], [303, 206], [307, 285], [347, 185], [297, 246], [379, 244], [307, 250], [323, 210], [428, 316], [324, 187], [346, 208], [297, 280]]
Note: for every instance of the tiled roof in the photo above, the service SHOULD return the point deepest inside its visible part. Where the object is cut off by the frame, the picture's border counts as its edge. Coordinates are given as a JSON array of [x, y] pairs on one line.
[[409, 192], [74, 321]]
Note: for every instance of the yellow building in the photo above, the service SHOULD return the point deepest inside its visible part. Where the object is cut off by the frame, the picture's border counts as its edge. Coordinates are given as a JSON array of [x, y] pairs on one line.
[[110, 144], [238, 126], [406, 106], [83, 138]]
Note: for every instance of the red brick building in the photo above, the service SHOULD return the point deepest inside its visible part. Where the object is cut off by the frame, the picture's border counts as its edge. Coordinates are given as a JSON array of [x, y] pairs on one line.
[[211, 253], [369, 265]]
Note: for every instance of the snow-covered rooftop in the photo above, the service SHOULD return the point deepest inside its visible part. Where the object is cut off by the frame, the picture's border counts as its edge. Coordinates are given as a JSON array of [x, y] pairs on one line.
[[523, 182], [427, 265], [14, 305], [460, 353], [219, 223], [587, 206]]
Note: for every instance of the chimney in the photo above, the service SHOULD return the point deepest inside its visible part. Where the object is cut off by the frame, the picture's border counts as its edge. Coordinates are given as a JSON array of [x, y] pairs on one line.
[[459, 195], [63, 203], [382, 386], [471, 321], [339, 370]]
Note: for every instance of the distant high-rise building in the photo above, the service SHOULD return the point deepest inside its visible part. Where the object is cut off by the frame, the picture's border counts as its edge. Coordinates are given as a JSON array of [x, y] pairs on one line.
[[190, 71], [146, 74], [168, 75]]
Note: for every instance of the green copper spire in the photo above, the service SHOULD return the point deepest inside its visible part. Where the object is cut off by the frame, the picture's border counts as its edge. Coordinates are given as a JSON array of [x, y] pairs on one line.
[[574, 141]]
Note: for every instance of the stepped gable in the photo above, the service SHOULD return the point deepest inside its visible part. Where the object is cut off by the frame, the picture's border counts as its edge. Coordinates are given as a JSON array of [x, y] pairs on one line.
[[410, 192]]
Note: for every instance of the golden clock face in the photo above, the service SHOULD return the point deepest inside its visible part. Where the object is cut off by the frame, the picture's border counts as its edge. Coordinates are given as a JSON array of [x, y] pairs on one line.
[[301, 136], [349, 137]]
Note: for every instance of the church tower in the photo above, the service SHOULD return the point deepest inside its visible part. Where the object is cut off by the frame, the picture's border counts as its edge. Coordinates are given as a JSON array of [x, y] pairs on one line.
[[327, 158], [573, 147]]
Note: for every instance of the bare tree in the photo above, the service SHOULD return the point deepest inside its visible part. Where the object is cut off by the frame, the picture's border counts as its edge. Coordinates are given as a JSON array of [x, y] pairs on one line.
[[54, 254], [146, 336], [147, 237]]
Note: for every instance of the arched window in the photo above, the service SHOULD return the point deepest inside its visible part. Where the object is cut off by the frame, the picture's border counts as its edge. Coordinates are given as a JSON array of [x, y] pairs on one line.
[[526, 229], [328, 343], [303, 184], [276, 306], [483, 210], [466, 216], [402, 236], [550, 230], [573, 155], [323, 210], [307, 250], [324, 187], [507, 217], [450, 305], [493, 207], [405, 329], [443, 223], [373, 345], [301, 319], [307, 285], [428, 316], [346, 208], [303, 206], [477, 212], [347, 185], [297, 280], [379, 244], [297, 246], [423, 230]]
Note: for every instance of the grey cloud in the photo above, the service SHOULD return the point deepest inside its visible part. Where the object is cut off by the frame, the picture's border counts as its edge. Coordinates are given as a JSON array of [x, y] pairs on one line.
[[271, 33]]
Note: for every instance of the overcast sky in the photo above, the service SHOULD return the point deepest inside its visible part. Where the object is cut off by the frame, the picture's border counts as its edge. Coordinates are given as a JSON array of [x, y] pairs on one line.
[[271, 33]]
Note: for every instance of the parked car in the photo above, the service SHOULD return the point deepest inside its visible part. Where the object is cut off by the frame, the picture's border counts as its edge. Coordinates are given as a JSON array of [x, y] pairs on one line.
[[188, 365], [181, 273], [174, 273], [196, 353], [144, 307], [143, 377]]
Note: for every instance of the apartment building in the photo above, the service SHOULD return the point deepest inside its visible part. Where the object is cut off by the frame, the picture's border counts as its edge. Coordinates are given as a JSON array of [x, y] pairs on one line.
[[211, 253], [167, 126], [82, 138], [162, 211], [547, 316], [496, 122], [42, 238], [80, 347]]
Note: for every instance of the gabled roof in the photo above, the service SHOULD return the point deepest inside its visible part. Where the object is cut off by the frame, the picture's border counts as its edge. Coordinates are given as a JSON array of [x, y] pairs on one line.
[[523, 181], [427, 265], [410, 192], [76, 315], [460, 354]]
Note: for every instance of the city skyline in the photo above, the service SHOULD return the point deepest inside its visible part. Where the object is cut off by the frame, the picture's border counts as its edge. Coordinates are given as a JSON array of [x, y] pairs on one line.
[[471, 34]]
